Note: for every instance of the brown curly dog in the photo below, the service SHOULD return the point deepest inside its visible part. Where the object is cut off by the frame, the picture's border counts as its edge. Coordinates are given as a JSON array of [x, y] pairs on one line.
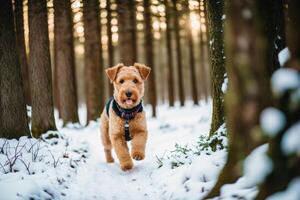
[[123, 118]]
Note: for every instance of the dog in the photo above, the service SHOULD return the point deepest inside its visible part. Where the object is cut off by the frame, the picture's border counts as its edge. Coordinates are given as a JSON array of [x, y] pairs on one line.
[[123, 117]]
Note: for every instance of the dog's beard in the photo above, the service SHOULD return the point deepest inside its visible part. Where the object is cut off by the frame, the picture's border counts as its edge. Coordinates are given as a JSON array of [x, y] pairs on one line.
[[126, 102]]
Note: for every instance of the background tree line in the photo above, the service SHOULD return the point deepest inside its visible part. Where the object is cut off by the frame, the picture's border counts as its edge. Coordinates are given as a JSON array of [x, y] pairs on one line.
[[64, 46]]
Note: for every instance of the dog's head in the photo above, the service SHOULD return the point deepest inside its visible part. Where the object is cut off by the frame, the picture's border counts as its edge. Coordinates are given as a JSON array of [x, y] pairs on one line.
[[128, 83]]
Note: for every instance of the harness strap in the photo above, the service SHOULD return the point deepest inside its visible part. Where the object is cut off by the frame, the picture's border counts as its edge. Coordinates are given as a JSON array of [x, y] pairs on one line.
[[108, 105], [126, 114]]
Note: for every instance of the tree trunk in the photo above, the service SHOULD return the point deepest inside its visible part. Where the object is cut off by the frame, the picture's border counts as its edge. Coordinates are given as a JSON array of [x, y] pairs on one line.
[[217, 61], [110, 50], [65, 63], [55, 76], [293, 33], [19, 23], [170, 74], [274, 28], [206, 52], [40, 69], [132, 10], [149, 55], [203, 71], [127, 31], [194, 89], [204, 88], [249, 89], [285, 166], [178, 53], [93, 60], [13, 116]]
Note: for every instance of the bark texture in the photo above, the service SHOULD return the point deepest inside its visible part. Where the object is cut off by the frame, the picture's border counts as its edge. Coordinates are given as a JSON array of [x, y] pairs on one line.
[[293, 33], [215, 11], [40, 69], [150, 55], [274, 27], [127, 31], [93, 60], [170, 74], [21, 48], [178, 53], [65, 63], [110, 50], [13, 116]]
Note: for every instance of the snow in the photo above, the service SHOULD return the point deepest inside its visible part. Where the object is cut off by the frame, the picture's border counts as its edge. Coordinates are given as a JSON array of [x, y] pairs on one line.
[[238, 190], [190, 181], [285, 79], [179, 163], [283, 56], [225, 84], [72, 166], [24, 189], [272, 121], [292, 192], [290, 143], [257, 165]]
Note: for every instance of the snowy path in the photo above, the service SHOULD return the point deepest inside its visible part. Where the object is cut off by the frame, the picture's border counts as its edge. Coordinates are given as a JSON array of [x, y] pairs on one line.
[[72, 166], [99, 180]]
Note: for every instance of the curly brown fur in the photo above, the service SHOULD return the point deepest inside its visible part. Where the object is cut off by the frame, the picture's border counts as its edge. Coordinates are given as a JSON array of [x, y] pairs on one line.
[[125, 79]]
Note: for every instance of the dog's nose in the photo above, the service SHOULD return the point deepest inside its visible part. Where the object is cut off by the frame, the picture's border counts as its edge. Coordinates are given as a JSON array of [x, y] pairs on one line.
[[128, 94]]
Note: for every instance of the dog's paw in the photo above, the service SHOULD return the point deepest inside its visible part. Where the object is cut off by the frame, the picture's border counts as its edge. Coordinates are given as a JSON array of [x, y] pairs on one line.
[[127, 165], [110, 160], [138, 155]]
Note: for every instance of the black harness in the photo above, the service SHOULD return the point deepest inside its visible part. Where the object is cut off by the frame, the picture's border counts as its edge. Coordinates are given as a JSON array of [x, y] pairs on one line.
[[126, 114]]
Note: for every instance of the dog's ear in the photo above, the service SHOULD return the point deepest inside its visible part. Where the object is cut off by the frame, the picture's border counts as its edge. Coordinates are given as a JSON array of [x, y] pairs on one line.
[[143, 69], [112, 71]]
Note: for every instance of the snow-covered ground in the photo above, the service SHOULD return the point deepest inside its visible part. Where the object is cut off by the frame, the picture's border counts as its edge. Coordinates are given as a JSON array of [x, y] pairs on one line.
[[72, 166]]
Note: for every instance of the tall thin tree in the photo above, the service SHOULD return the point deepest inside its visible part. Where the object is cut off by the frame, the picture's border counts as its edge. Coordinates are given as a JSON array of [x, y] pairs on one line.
[[204, 87], [194, 89], [170, 73], [65, 63], [178, 53], [217, 62], [40, 69], [150, 55], [203, 70], [19, 26], [93, 59], [127, 31], [110, 50], [13, 116]]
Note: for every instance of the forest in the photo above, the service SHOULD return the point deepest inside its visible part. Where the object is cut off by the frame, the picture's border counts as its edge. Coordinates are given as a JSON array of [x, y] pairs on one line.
[[222, 100]]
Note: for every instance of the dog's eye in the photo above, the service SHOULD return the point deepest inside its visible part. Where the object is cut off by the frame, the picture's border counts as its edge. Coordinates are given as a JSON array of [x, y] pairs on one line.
[[135, 80], [121, 81]]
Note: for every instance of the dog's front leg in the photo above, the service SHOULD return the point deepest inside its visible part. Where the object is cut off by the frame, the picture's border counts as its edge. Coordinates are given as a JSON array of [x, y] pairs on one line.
[[122, 152], [138, 145]]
